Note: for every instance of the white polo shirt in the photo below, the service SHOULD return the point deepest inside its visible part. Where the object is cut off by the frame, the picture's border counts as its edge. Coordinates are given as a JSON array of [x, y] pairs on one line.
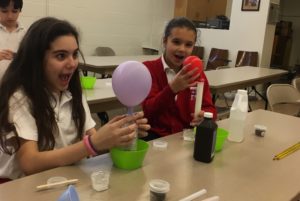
[[169, 71], [11, 41], [25, 125]]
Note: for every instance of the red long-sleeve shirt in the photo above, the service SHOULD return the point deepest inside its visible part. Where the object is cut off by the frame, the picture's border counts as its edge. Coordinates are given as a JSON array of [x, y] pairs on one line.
[[166, 114]]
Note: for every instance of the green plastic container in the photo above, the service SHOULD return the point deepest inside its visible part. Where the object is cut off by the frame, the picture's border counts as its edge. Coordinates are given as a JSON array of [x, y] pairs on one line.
[[129, 160], [88, 82], [221, 137]]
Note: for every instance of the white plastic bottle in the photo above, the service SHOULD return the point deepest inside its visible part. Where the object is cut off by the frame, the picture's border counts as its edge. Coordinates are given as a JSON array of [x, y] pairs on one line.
[[238, 114]]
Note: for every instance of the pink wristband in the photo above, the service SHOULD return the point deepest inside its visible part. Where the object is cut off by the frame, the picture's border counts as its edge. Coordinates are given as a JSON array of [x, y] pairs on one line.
[[88, 146]]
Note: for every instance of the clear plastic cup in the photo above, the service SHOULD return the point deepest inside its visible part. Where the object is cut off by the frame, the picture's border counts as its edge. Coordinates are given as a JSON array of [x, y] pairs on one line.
[[56, 179], [100, 180], [158, 189], [188, 135]]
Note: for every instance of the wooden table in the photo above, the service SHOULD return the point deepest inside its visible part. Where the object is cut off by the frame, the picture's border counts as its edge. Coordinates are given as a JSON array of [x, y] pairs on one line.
[[107, 64], [241, 171], [229, 79], [102, 97]]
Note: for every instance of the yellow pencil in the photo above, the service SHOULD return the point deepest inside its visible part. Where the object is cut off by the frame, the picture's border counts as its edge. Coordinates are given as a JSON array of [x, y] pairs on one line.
[[286, 154], [295, 146], [287, 151]]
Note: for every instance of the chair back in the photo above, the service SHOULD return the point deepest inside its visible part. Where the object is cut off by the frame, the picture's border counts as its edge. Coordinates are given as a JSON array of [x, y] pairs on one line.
[[280, 95], [222, 67], [104, 51], [198, 51], [217, 57], [296, 83], [246, 58]]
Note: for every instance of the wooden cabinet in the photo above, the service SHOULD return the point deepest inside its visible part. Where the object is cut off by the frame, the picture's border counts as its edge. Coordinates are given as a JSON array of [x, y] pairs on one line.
[[200, 10], [282, 44]]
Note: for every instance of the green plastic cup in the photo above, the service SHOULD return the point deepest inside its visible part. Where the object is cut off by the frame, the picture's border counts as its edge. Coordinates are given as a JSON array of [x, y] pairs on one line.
[[129, 160], [221, 137], [88, 82]]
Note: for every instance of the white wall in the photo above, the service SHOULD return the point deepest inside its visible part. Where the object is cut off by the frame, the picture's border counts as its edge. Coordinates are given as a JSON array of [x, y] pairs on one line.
[[123, 25], [128, 24], [248, 31], [32, 10]]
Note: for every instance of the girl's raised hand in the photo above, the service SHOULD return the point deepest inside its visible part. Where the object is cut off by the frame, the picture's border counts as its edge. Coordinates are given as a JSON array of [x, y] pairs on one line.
[[184, 79], [6, 55], [198, 119], [120, 131], [142, 124]]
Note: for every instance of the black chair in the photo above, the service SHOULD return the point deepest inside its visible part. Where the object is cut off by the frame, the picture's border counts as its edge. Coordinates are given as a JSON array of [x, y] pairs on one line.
[[198, 51], [246, 58], [104, 51], [249, 58]]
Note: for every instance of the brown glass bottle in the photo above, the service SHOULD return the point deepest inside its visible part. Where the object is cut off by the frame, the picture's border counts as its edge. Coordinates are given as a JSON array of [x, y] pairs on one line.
[[204, 148]]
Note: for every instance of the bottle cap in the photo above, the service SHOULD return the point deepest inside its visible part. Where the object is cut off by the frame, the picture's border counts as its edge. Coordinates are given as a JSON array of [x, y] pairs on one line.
[[208, 115]]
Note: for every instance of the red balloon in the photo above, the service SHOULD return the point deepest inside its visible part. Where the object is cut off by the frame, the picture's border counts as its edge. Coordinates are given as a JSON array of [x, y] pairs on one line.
[[195, 62]]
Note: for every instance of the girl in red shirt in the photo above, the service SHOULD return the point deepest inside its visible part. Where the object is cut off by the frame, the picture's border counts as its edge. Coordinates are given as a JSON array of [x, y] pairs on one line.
[[167, 105]]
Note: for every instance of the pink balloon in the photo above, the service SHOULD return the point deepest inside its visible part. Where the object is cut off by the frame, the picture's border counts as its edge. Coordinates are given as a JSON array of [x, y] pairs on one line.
[[131, 82]]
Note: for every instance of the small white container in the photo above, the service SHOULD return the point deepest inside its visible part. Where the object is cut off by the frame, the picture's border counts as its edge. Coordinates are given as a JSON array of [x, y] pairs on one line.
[[160, 145], [260, 130]]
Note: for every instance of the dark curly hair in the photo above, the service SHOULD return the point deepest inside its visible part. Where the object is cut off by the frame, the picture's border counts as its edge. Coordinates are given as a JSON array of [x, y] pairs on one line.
[[26, 71], [18, 4]]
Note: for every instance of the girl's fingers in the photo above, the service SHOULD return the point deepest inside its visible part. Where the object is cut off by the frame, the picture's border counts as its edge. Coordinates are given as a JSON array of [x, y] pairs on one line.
[[195, 76], [124, 121], [196, 121], [117, 118], [128, 129], [184, 69], [127, 139], [193, 124], [139, 114], [142, 133], [142, 121], [144, 127]]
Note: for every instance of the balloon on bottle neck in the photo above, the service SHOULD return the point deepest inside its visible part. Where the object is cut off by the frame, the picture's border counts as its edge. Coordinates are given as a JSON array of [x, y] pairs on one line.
[[194, 63], [130, 110], [131, 82]]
